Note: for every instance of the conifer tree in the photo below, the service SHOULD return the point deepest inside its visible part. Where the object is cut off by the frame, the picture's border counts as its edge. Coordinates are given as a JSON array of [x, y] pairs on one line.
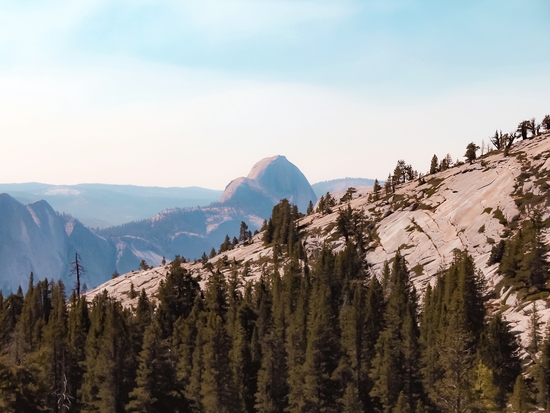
[[397, 362], [499, 352], [434, 165], [56, 350], [297, 343], [218, 391], [156, 387], [373, 324], [453, 392], [22, 388], [321, 390], [244, 368], [542, 373], [485, 390], [176, 296], [521, 398], [78, 326], [376, 190], [194, 384], [309, 210], [110, 362], [535, 338]]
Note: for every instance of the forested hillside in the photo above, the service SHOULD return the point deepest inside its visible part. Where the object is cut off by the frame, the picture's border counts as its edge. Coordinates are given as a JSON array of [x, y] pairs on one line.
[[430, 294], [325, 339]]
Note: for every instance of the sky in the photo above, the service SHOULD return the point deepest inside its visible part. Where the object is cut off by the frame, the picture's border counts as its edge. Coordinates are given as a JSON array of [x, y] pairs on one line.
[[194, 93]]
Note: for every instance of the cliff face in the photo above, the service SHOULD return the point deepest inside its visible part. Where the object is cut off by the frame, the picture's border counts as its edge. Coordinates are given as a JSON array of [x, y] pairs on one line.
[[34, 238], [269, 181]]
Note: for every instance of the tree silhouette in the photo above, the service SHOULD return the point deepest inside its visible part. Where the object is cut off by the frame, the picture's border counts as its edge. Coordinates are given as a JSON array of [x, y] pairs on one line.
[[470, 154], [78, 270]]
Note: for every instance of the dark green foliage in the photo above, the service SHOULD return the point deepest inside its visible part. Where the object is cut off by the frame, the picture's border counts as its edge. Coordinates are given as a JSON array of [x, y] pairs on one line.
[[321, 389], [451, 326], [524, 262], [396, 366], [376, 190], [144, 266], [521, 398], [282, 227], [309, 210], [499, 351], [176, 296], [471, 150], [22, 388], [78, 327], [325, 204], [110, 362], [497, 252], [434, 165], [156, 388], [330, 338], [348, 196], [225, 245], [244, 233]]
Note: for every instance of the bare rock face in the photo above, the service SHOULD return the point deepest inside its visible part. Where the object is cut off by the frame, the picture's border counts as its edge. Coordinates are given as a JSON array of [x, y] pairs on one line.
[[34, 238], [269, 181], [467, 207]]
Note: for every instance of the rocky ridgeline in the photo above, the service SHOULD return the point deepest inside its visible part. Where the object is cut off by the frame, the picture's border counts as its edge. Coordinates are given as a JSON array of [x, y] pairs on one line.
[[471, 206]]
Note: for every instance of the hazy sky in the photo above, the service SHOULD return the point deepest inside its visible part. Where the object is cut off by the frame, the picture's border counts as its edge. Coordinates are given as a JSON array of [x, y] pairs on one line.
[[180, 93]]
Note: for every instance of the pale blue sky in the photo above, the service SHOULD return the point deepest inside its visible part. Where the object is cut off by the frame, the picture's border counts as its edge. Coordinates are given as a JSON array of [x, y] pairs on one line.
[[179, 93]]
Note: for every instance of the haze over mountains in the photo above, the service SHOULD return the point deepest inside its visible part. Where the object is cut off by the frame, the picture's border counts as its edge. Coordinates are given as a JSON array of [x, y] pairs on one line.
[[36, 238], [102, 205]]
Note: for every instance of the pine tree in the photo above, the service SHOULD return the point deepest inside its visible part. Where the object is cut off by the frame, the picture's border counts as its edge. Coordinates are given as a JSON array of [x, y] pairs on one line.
[[193, 383], [110, 362], [453, 392], [22, 388], [454, 313], [376, 190], [434, 165], [218, 391], [499, 352], [471, 150], [521, 399], [56, 350], [176, 296], [297, 343], [485, 390], [321, 390], [373, 324], [309, 210], [535, 337], [156, 387], [396, 365], [244, 368], [542, 373], [78, 326]]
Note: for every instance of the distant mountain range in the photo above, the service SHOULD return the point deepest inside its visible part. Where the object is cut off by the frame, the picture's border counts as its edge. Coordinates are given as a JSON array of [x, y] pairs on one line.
[[35, 238], [104, 205], [101, 205]]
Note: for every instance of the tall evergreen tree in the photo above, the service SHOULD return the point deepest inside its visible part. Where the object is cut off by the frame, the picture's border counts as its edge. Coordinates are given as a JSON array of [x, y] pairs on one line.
[[397, 361], [157, 389], [499, 352], [321, 389]]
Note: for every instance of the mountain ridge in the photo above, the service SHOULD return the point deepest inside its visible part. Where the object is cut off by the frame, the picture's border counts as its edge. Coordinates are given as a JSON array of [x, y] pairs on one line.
[[469, 207]]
